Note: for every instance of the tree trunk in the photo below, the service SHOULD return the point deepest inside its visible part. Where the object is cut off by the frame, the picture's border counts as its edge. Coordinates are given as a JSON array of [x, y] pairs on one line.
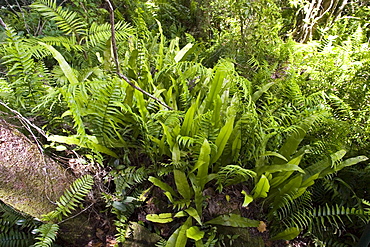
[[31, 182]]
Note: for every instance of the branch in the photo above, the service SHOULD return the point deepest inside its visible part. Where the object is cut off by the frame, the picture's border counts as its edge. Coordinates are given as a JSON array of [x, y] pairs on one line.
[[2, 23], [27, 125], [115, 55]]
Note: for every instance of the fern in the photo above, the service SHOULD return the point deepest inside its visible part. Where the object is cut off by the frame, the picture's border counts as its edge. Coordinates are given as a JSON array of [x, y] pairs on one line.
[[100, 33], [69, 22], [233, 174], [9, 218], [69, 43], [334, 213], [16, 239], [71, 197], [15, 227], [48, 234]]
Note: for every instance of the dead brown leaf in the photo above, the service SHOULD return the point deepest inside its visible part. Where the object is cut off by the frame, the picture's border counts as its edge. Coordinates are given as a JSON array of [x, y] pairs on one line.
[[262, 227]]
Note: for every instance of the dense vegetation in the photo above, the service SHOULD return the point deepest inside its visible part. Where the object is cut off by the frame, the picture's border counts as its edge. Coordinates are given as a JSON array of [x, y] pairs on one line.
[[206, 115]]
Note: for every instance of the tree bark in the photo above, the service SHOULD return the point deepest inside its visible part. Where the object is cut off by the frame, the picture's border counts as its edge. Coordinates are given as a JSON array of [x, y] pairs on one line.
[[29, 181], [32, 182]]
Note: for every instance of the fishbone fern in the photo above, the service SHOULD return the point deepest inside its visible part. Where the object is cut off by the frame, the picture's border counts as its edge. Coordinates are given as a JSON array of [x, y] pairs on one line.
[[48, 234], [69, 22], [71, 197]]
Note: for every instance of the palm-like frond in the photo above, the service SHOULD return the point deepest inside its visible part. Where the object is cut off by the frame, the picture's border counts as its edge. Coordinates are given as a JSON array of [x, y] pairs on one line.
[[233, 174], [107, 117], [70, 199], [99, 33], [69, 22], [16, 239], [48, 234], [15, 227], [26, 77], [69, 43]]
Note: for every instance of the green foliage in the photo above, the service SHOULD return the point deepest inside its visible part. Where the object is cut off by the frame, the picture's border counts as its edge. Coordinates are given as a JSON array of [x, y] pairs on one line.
[[71, 198], [15, 227], [286, 129], [67, 21], [15, 239], [48, 234]]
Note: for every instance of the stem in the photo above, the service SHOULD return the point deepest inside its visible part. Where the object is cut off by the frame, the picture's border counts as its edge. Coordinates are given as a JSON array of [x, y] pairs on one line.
[[115, 55]]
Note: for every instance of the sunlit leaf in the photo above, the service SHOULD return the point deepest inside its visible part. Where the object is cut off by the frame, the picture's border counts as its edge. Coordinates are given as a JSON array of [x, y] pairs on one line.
[[160, 218], [287, 234]]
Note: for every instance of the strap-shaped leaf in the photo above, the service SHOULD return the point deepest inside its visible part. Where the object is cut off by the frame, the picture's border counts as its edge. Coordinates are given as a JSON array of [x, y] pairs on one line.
[[162, 185], [223, 137], [182, 184], [160, 218], [234, 220], [261, 188], [194, 233], [287, 234]]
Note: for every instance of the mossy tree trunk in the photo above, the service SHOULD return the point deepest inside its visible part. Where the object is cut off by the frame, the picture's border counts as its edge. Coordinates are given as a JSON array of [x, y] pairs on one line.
[[32, 182]]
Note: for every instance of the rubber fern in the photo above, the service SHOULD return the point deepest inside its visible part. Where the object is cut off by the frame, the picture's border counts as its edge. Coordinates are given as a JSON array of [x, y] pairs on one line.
[[74, 195]]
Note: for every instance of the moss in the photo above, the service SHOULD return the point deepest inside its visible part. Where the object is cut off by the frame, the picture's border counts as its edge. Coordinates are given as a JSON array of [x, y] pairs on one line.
[[29, 181]]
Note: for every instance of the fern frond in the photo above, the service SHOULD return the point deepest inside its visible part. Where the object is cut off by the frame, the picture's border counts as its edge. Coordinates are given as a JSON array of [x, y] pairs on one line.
[[233, 174], [99, 33], [70, 43], [296, 213], [333, 214], [48, 234], [10, 218], [16, 239], [340, 108], [161, 243], [107, 117], [131, 176], [68, 21], [71, 197], [185, 141]]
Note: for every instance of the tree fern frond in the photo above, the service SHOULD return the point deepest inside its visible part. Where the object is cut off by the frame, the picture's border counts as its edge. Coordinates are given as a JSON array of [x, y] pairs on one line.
[[68, 21], [71, 197], [48, 234]]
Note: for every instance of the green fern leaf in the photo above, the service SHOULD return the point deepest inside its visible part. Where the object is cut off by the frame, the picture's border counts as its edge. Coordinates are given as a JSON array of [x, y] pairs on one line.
[[16, 239], [48, 234], [74, 195], [69, 22]]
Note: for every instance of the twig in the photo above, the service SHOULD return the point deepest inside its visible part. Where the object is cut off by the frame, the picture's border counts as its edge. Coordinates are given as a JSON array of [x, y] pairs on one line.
[[2, 23], [26, 124], [74, 216], [115, 55]]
